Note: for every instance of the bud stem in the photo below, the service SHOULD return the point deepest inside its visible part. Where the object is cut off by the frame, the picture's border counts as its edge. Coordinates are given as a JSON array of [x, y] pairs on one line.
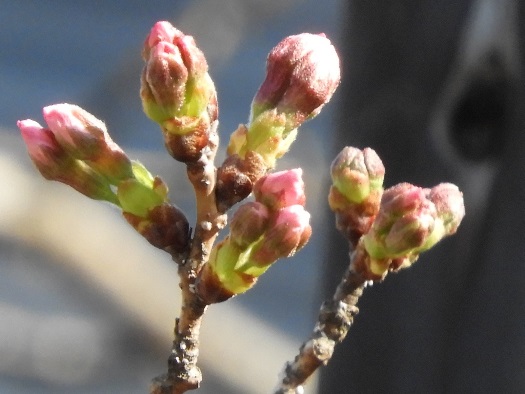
[[183, 372], [335, 319]]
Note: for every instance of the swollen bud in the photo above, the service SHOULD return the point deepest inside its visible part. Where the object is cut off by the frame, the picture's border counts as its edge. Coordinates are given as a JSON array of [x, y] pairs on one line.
[[281, 189], [302, 73], [55, 163], [86, 138], [248, 223], [411, 220], [357, 186]]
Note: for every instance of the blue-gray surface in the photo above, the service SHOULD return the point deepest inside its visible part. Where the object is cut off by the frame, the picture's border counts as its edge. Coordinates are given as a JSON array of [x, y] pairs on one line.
[[88, 53]]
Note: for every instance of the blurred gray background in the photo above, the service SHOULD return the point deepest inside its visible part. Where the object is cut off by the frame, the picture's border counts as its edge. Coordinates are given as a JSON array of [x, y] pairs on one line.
[[87, 306]]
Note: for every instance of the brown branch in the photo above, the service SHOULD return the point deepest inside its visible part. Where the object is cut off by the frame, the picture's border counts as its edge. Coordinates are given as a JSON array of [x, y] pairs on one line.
[[335, 318], [183, 372]]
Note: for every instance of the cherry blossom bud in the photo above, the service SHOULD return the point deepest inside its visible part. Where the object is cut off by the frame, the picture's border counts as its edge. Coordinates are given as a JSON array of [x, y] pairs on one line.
[[355, 194], [357, 173], [234, 266], [281, 189], [289, 232], [448, 200], [302, 74], [55, 163], [411, 220], [85, 138], [176, 89], [248, 223], [405, 220]]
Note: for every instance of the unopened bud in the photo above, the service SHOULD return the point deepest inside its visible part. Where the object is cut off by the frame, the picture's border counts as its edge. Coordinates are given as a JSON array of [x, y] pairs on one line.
[[357, 173], [355, 194], [55, 163], [85, 138], [281, 189], [289, 232], [176, 89], [248, 223], [410, 222], [448, 200], [302, 74]]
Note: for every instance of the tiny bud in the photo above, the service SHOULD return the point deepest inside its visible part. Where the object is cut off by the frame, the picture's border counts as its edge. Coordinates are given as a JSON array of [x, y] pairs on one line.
[[85, 137], [248, 223], [281, 189], [236, 177]]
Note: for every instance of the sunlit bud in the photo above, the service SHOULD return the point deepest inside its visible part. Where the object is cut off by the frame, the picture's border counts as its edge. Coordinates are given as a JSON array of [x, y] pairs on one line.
[[85, 137], [448, 200], [288, 233], [248, 223], [357, 173], [176, 89], [355, 194], [302, 74], [54, 163], [281, 189], [234, 266], [405, 220], [411, 220]]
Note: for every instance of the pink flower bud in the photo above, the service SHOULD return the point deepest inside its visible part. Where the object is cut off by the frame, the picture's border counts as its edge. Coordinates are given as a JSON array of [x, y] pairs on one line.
[[289, 232], [302, 74], [85, 137], [54, 163], [248, 223], [280, 189], [43, 148], [411, 220], [176, 89], [449, 204]]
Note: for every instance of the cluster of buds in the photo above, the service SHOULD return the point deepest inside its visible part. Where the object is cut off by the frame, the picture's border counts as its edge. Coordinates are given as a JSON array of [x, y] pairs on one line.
[[76, 149], [302, 74], [388, 229], [411, 220], [275, 225], [177, 92]]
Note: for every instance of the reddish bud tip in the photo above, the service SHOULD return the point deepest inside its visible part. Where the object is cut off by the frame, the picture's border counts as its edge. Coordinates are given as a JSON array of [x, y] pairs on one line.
[[281, 189]]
